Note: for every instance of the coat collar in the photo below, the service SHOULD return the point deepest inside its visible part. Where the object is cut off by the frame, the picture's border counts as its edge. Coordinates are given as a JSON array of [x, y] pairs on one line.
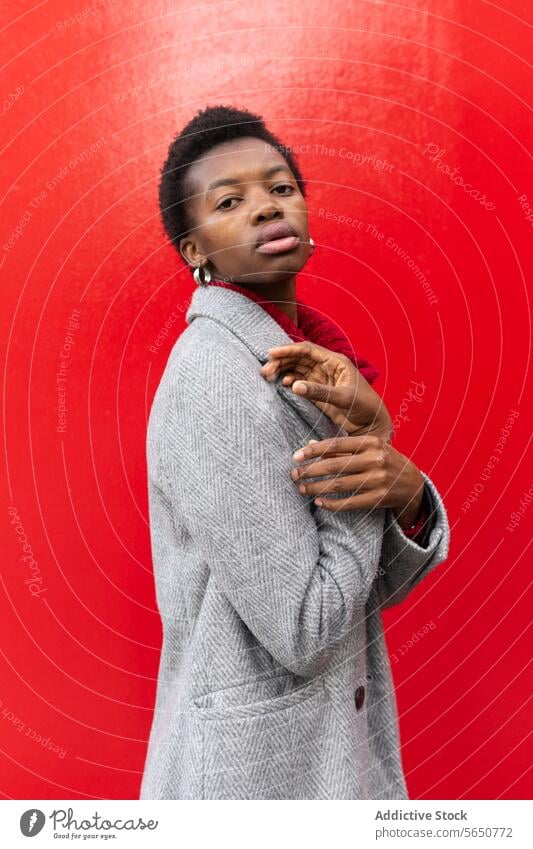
[[247, 320]]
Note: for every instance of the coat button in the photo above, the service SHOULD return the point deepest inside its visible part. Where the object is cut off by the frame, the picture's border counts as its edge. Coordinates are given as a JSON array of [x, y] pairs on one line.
[[359, 697]]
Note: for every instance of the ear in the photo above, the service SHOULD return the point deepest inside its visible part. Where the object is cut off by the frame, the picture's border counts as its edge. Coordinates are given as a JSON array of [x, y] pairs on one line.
[[190, 251]]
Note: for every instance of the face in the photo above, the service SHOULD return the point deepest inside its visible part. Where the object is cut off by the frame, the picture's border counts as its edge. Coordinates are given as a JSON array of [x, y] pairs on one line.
[[241, 188]]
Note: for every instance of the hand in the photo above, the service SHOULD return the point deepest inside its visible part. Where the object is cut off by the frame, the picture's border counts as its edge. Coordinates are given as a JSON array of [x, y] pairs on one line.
[[381, 475], [334, 384]]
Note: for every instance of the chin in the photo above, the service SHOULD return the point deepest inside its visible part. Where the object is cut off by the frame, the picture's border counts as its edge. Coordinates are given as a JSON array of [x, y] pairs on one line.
[[276, 268], [269, 268], [264, 277]]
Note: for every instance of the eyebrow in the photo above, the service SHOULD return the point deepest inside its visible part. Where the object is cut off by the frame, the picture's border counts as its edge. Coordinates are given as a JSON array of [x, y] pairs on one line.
[[232, 181]]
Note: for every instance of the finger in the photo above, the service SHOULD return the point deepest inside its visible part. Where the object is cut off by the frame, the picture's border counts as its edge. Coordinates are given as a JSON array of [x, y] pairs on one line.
[[289, 378], [338, 396], [297, 370], [304, 354], [269, 370], [298, 349], [341, 464], [273, 368], [285, 350], [338, 454], [291, 354], [282, 362], [338, 444], [339, 483]]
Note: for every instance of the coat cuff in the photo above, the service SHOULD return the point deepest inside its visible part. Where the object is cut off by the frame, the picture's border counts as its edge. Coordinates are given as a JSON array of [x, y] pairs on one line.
[[405, 562], [426, 520]]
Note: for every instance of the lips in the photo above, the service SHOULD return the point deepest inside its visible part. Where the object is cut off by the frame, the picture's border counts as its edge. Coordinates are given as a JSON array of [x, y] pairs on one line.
[[276, 238]]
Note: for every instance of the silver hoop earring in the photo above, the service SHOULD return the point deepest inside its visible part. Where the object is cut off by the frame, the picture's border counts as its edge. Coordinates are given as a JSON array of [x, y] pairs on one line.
[[311, 242], [202, 281]]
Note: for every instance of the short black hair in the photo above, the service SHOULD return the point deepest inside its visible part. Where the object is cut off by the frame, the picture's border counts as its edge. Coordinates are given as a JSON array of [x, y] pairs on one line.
[[209, 127]]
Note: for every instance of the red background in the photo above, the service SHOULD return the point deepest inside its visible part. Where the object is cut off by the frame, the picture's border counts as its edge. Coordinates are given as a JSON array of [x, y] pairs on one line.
[[78, 662]]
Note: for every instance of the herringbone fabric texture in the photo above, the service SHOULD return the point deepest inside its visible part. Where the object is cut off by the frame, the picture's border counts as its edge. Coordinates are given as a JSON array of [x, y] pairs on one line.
[[270, 605]]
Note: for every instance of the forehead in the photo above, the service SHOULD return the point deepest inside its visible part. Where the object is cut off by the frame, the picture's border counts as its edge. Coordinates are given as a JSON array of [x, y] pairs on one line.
[[243, 158]]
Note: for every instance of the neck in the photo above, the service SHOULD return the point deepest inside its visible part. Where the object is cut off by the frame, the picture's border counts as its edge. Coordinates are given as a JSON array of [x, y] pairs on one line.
[[281, 293]]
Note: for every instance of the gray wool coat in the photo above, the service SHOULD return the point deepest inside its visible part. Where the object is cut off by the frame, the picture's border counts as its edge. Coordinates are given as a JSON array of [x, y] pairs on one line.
[[274, 678]]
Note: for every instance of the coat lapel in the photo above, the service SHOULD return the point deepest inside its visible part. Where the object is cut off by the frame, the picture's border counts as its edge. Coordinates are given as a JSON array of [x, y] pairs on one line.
[[258, 331]]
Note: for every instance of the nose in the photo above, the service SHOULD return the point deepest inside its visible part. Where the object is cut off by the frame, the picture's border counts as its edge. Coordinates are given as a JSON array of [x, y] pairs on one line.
[[265, 212]]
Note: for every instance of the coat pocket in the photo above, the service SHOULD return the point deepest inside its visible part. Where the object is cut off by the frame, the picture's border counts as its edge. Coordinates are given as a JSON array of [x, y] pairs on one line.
[[269, 749]]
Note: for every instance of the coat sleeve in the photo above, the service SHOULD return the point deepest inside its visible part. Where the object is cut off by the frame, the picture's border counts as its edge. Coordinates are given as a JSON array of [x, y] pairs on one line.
[[404, 562], [295, 573]]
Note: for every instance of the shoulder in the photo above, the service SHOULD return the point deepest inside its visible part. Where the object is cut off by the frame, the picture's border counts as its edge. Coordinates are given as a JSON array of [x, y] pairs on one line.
[[210, 364], [207, 346], [215, 405]]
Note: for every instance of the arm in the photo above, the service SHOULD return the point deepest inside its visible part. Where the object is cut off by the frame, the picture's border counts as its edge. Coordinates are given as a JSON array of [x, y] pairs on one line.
[[295, 574], [405, 562]]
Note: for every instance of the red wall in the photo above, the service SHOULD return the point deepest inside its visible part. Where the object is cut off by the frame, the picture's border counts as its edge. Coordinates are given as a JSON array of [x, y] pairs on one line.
[[91, 105]]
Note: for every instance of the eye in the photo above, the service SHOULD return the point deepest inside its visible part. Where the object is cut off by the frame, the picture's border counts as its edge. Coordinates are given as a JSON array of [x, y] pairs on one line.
[[226, 200], [284, 186]]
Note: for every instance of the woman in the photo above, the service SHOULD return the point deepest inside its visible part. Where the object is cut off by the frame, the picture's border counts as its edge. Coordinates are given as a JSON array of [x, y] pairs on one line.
[[274, 679]]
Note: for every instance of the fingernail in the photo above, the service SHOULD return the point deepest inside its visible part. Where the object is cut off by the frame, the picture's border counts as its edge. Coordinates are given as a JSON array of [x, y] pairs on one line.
[[312, 440], [298, 455], [318, 502]]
